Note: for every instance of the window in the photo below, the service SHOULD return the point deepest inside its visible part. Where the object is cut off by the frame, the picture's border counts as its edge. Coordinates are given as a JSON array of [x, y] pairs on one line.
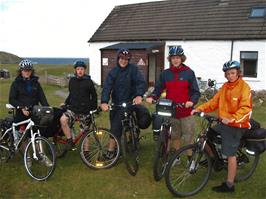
[[258, 12], [248, 63]]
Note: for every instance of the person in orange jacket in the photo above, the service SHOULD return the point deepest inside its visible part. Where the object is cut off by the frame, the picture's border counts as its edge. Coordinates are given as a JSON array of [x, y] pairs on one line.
[[234, 104]]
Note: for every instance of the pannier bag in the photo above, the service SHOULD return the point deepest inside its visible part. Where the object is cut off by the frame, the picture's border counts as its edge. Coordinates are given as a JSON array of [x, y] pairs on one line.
[[5, 124], [256, 140], [143, 116], [165, 107], [42, 115], [54, 127]]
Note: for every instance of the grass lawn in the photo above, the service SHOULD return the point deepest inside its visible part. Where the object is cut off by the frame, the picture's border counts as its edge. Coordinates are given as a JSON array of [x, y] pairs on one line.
[[72, 179]]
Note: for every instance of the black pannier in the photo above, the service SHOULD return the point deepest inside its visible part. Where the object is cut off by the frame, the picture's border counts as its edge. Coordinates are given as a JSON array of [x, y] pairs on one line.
[[5, 124], [143, 116], [42, 115], [165, 107], [255, 140]]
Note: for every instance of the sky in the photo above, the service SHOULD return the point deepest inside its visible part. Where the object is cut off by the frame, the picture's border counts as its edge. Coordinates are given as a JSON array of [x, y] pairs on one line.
[[52, 28]]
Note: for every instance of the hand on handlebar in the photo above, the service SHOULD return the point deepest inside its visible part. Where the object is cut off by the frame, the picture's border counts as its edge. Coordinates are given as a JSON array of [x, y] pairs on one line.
[[104, 106], [194, 111], [149, 100], [25, 112], [189, 104], [137, 100]]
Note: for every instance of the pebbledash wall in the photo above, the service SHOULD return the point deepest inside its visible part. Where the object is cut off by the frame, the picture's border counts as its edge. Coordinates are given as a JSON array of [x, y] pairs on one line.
[[206, 58]]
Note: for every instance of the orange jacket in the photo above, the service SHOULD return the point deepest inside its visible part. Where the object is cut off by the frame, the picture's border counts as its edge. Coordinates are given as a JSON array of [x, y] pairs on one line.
[[233, 102]]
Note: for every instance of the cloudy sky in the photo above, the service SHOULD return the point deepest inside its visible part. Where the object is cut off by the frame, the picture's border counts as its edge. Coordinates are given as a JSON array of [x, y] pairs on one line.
[[52, 28]]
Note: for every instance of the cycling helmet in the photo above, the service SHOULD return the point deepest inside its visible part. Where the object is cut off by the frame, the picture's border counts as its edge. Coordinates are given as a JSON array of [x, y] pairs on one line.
[[230, 65], [25, 64], [79, 64], [176, 50], [124, 54]]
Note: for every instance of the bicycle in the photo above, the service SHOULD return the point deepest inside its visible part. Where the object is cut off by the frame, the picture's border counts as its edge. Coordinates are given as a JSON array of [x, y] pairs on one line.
[[94, 143], [165, 108], [39, 157], [130, 137], [211, 90], [192, 174]]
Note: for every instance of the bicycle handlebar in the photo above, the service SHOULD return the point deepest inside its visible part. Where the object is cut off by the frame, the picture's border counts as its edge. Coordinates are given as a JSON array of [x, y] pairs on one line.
[[179, 104], [207, 117]]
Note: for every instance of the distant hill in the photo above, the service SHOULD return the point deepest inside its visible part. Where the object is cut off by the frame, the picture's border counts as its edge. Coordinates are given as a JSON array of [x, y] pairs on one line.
[[8, 58]]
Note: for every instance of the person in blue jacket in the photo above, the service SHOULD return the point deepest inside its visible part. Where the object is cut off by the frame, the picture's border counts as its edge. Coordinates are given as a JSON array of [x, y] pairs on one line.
[[124, 83]]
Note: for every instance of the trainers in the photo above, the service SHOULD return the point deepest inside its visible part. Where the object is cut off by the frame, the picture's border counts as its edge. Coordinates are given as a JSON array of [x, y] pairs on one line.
[[223, 188], [46, 160]]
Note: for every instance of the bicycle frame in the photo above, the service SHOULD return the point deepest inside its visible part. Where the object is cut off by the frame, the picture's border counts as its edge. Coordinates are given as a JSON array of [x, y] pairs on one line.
[[17, 144]]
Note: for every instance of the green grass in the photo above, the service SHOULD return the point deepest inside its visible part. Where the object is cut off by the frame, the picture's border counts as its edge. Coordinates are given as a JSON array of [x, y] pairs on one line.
[[72, 179]]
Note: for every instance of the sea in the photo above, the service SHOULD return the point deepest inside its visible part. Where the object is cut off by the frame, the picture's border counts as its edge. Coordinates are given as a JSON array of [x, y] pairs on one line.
[[56, 60]]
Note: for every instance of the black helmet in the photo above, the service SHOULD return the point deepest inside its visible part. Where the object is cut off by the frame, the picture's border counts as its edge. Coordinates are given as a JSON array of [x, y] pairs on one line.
[[79, 64], [124, 53], [25, 64], [230, 65], [176, 50]]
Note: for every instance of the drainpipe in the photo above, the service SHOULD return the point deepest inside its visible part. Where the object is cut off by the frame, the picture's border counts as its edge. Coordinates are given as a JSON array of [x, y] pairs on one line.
[[232, 49]]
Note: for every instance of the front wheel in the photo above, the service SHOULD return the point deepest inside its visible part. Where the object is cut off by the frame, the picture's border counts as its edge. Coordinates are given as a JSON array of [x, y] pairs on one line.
[[247, 162], [186, 175], [94, 149], [40, 164], [161, 155], [130, 151]]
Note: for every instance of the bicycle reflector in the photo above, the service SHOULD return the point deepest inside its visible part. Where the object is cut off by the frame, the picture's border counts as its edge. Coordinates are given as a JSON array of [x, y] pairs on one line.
[[99, 133]]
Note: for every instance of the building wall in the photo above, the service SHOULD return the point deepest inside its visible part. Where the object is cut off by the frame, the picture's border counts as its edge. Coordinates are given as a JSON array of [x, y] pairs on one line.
[[95, 59], [206, 58]]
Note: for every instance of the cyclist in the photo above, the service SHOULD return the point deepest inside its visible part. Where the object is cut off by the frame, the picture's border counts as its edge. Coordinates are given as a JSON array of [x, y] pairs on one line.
[[181, 86], [26, 91], [82, 98], [234, 105], [124, 83]]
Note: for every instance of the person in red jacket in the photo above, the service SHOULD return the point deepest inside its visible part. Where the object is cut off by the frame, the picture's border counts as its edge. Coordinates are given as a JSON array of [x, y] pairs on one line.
[[181, 86], [234, 104]]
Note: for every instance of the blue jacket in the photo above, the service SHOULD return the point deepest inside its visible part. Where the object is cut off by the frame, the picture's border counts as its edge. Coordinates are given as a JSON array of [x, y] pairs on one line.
[[123, 84]]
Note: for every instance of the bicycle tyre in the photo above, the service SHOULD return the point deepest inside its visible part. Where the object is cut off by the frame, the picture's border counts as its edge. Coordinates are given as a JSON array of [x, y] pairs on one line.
[[184, 174], [129, 150], [160, 156], [94, 146], [44, 150], [247, 166]]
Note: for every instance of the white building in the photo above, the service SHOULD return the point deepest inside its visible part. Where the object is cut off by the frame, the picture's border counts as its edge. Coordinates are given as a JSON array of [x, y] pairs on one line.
[[210, 31]]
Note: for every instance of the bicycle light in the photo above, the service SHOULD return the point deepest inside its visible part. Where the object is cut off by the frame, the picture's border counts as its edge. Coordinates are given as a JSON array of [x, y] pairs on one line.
[[99, 164], [124, 105], [99, 133]]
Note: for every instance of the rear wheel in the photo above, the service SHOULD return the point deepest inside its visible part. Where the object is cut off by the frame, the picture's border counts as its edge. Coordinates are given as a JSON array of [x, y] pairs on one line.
[[130, 151], [161, 155], [40, 165], [186, 176], [94, 149], [246, 164]]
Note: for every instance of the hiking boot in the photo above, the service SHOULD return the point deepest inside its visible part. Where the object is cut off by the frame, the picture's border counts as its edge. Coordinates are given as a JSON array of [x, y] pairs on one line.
[[70, 145], [224, 188], [44, 159]]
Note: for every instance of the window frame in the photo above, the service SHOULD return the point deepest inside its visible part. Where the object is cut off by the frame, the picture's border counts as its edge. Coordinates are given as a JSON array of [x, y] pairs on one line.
[[257, 7], [255, 76]]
